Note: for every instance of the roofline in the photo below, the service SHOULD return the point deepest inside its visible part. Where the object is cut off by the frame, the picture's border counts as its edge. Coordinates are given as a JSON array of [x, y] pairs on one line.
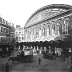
[[60, 15], [62, 6]]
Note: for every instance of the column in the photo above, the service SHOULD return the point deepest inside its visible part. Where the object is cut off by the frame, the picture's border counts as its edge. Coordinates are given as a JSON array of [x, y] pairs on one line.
[[45, 30]]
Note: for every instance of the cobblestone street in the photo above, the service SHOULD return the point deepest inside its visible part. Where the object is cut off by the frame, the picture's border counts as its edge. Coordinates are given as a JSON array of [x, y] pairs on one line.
[[45, 66]]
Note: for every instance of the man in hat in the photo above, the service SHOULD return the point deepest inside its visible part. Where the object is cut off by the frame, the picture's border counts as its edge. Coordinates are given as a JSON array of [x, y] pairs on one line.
[[6, 67], [39, 61]]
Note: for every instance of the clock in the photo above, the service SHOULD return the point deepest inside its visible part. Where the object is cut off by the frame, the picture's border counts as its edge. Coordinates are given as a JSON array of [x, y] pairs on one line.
[[39, 17]]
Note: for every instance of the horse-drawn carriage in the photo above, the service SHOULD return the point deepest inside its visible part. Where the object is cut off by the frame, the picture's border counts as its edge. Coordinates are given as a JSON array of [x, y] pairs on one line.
[[23, 56], [15, 56]]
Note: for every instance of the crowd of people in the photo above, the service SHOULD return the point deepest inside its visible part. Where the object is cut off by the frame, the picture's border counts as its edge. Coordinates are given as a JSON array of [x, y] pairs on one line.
[[48, 52], [6, 51]]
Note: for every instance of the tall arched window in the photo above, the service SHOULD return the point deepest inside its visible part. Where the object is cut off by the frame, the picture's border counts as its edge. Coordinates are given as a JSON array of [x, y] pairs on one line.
[[66, 22], [44, 30], [48, 30], [37, 32], [25, 34], [57, 28], [53, 29], [28, 34], [33, 33], [40, 32]]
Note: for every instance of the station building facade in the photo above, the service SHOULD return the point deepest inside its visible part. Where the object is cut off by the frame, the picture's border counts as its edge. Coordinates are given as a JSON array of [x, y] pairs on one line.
[[48, 23]]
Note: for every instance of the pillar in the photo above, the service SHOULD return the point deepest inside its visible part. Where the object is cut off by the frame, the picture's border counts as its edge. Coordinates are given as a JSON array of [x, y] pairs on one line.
[[45, 30], [50, 29]]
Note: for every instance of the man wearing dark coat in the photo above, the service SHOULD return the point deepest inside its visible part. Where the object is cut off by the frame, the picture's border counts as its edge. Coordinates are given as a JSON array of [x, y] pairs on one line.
[[6, 67], [39, 61]]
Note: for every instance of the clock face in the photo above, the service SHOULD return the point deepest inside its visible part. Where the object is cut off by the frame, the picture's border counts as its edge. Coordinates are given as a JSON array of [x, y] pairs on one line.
[[39, 17]]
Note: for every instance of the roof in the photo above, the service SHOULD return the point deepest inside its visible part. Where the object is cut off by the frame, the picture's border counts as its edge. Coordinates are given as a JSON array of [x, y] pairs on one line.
[[47, 12]]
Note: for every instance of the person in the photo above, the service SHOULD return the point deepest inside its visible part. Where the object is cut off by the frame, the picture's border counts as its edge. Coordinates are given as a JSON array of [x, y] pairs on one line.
[[22, 55], [6, 67], [39, 61]]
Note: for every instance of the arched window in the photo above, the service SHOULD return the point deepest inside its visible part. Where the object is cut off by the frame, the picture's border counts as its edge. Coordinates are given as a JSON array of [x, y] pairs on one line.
[[57, 28], [66, 22], [40, 32], [43, 30], [25, 34], [36, 33], [31, 33], [53, 28], [48, 30]]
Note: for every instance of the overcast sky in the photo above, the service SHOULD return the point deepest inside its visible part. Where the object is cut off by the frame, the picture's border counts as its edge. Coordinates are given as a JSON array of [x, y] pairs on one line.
[[18, 11]]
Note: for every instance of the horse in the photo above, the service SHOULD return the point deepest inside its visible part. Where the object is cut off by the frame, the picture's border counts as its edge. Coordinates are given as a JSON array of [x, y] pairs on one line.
[[14, 59]]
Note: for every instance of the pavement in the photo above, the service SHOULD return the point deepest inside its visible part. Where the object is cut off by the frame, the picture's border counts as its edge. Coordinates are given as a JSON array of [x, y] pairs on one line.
[[46, 65]]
